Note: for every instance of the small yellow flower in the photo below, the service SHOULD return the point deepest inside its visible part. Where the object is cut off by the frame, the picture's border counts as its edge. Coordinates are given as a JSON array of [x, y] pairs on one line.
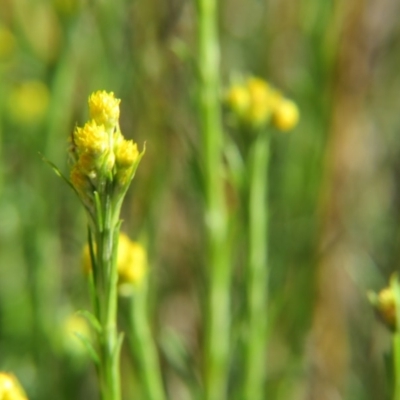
[[124, 244], [253, 102], [126, 153], [133, 269], [238, 99], [286, 115], [10, 388], [126, 158], [92, 138], [104, 108], [263, 100], [385, 305]]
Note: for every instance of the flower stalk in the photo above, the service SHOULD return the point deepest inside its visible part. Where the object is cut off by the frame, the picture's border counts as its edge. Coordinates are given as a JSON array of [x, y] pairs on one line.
[[142, 344], [217, 315], [254, 104], [257, 271]]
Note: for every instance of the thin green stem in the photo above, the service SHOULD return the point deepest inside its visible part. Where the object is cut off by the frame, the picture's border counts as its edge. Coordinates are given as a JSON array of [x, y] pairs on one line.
[[257, 270], [396, 355], [107, 246], [143, 346], [395, 287], [217, 335]]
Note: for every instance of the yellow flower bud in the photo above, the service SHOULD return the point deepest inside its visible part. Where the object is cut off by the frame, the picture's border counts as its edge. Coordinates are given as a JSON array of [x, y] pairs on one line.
[[126, 158], [10, 389], [238, 100], [133, 269], [126, 153], [92, 138], [385, 305], [104, 108], [263, 100], [286, 115]]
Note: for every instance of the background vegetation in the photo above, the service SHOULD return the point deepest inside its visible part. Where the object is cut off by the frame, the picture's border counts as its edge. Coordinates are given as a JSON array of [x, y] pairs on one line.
[[334, 183]]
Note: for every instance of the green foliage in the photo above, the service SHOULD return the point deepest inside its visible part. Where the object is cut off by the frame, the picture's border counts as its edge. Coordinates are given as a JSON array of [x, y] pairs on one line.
[[333, 183]]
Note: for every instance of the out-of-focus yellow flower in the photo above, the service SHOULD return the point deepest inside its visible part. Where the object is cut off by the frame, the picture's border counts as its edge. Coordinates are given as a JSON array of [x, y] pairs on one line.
[[133, 268], [72, 327], [104, 108], [28, 102], [131, 261], [238, 100], [385, 305], [254, 102], [7, 43], [286, 115], [10, 389]]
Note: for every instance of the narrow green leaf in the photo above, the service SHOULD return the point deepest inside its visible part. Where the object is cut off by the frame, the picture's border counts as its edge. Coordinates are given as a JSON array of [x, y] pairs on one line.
[[89, 347], [118, 346], [93, 321]]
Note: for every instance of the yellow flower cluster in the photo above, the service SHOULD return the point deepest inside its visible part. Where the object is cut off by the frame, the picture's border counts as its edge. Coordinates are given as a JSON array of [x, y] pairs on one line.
[[99, 150], [255, 103], [131, 261], [10, 389]]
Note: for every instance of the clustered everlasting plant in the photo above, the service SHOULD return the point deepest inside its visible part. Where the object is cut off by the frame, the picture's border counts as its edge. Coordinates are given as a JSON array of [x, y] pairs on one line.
[[103, 166]]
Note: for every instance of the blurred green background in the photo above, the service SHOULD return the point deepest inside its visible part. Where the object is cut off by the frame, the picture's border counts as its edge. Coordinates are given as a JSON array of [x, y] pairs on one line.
[[334, 194]]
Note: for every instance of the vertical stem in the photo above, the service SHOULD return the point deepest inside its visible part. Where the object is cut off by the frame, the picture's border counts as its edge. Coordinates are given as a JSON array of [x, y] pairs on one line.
[[257, 269], [217, 322], [396, 356], [143, 346], [107, 245], [395, 287]]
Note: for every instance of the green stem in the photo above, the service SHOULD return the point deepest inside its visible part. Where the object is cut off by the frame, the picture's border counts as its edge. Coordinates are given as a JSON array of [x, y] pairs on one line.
[[107, 245], [395, 287], [217, 337], [396, 355], [257, 270], [142, 344]]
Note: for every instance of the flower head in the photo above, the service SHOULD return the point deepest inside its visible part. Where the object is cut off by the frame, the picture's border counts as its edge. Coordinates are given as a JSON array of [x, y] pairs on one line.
[[133, 268], [104, 108], [103, 162], [10, 389], [286, 115], [254, 103], [238, 99], [92, 138]]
